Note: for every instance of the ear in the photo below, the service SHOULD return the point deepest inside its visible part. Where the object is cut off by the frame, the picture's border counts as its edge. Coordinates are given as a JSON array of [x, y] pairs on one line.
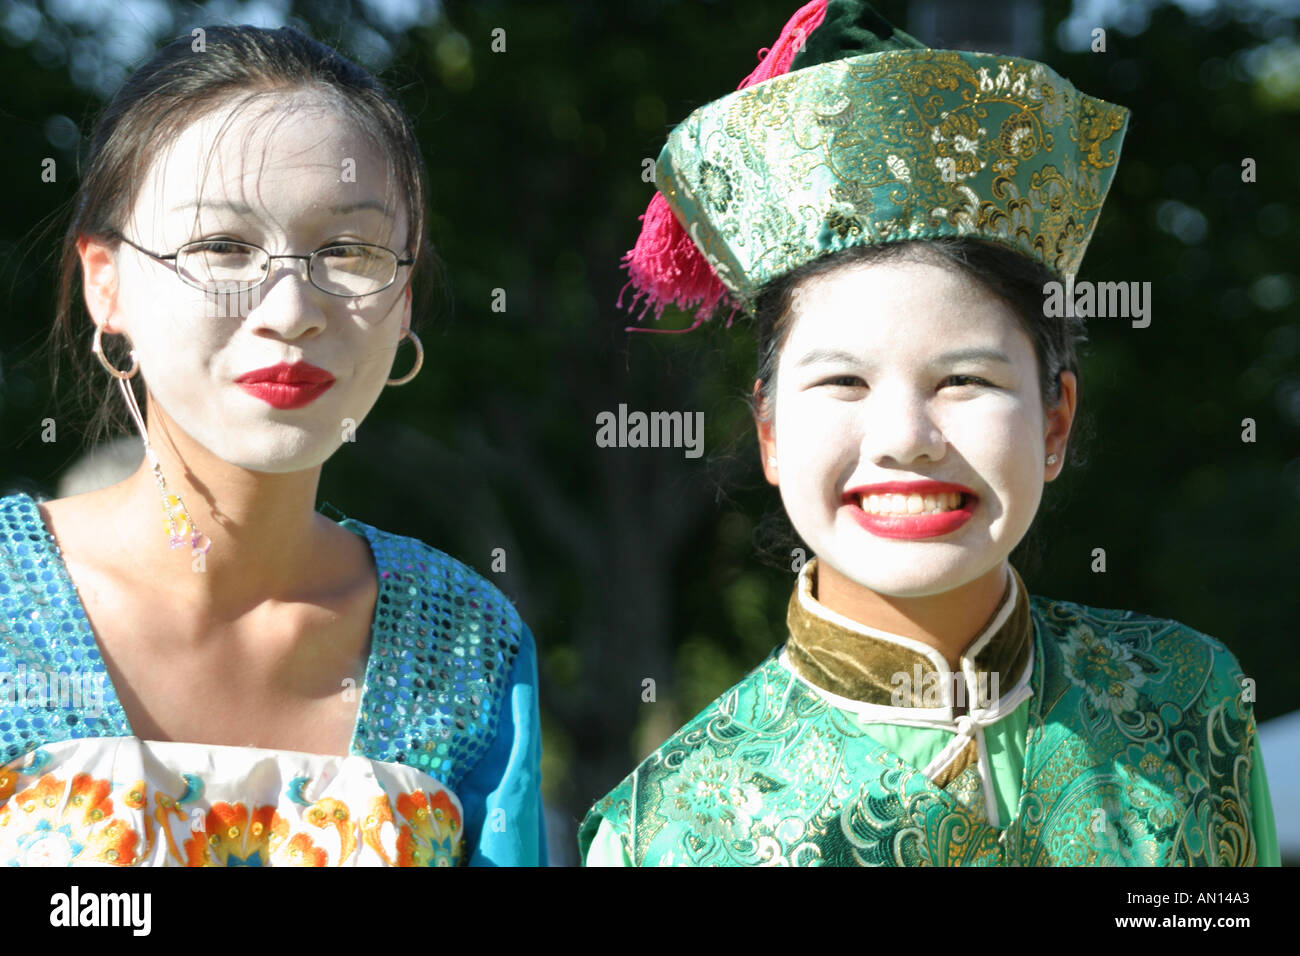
[[1056, 430], [406, 315], [764, 423], [99, 282]]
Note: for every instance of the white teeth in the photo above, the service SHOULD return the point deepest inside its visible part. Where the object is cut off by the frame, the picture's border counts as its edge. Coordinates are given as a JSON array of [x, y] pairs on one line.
[[894, 504]]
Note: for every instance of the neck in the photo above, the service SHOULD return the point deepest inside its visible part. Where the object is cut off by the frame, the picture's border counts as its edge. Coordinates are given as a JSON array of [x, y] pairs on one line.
[[267, 538], [948, 622]]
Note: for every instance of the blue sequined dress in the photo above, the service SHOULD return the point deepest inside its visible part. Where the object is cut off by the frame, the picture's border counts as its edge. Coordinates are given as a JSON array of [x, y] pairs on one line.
[[443, 767]]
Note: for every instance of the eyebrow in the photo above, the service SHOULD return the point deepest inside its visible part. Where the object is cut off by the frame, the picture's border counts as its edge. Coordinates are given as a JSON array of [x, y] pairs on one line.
[[973, 355], [957, 355], [825, 355], [341, 209]]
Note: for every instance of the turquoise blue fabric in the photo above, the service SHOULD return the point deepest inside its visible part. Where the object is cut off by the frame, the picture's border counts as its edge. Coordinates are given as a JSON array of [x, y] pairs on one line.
[[450, 685], [502, 796]]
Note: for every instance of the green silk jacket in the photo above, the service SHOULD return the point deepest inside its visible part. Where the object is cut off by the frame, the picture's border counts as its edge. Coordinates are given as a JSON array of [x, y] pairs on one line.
[[1071, 736]]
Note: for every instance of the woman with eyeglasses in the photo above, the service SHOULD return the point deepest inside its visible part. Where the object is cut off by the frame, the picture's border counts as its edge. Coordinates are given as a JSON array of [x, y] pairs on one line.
[[203, 669]]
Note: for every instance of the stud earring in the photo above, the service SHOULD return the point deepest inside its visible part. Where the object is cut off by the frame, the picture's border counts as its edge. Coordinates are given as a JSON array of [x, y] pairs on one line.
[[179, 525], [1051, 459]]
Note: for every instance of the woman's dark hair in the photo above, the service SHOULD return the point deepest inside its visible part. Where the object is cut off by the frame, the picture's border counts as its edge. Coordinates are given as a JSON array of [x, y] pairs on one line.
[[1015, 278], [192, 77]]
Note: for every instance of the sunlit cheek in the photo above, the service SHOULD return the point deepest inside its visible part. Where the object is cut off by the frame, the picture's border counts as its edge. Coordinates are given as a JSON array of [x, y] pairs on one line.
[[175, 347], [799, 420], [988, 423], [817, 446], [375, 352], [995, 438], [380, 338]]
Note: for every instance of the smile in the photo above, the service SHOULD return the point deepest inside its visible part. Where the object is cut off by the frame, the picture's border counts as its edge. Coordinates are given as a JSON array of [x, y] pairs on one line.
[[912, 515], [913, 504]]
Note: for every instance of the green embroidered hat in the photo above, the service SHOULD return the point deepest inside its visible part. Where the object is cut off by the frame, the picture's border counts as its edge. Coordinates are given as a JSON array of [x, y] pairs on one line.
[[853, 133]]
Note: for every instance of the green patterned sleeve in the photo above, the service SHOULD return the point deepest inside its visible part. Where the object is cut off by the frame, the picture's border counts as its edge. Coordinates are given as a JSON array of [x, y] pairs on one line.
[[601, 835], [1261, 811], [605, 848]]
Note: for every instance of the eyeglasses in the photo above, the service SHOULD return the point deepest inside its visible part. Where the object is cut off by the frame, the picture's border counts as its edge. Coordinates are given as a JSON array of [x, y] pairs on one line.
[[226, 265]]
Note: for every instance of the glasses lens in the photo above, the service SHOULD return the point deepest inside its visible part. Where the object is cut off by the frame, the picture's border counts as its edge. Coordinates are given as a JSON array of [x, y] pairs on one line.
[[358, 269], [221, 265]]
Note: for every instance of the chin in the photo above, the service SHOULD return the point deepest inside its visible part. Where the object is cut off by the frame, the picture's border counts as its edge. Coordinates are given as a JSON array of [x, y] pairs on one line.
[[920, 573], [280, 458]]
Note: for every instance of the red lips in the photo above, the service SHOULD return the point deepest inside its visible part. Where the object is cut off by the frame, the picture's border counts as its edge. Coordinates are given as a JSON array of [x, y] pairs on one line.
[[299, 373], [286, 386], [911, 526]]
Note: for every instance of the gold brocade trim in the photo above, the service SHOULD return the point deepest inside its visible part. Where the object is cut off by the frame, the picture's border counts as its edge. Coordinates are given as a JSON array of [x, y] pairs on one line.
[[891, 146], [864, 667], [969, 755], [968, 790]]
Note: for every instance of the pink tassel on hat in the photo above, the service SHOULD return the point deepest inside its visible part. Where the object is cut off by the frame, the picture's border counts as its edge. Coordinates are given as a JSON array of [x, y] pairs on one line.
[[665, 266]]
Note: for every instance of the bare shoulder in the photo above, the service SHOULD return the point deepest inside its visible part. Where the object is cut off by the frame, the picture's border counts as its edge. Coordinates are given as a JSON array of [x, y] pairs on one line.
[[346, 558], [81, 523], [84, 529]]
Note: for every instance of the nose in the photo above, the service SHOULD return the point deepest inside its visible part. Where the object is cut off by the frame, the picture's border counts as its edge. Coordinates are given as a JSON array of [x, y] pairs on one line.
[[287, 305], [299, 266], [899, 427]]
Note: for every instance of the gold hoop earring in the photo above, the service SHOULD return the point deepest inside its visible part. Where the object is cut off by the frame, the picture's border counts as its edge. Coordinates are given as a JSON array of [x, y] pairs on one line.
[[419, 359], [97, 346]]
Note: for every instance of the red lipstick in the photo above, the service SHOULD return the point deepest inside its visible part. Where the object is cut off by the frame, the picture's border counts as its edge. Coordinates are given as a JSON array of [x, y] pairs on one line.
[[286, 386], [911, 525]]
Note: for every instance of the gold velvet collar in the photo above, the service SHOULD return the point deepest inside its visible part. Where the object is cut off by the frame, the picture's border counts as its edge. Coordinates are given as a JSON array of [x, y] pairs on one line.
[[864, 664]]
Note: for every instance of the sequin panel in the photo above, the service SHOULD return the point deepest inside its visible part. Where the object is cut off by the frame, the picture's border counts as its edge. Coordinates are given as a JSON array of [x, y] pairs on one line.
[[443, 647], [50, 668], [445, 643]]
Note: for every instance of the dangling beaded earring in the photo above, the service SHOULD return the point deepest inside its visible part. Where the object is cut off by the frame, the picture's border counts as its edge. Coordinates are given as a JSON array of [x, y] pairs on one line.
[[179, 525]]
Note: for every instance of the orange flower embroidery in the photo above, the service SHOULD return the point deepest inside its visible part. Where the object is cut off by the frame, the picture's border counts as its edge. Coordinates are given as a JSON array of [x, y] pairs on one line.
[[430, 837], [8, 780], [329, 812], [232, 836], [68, 824]]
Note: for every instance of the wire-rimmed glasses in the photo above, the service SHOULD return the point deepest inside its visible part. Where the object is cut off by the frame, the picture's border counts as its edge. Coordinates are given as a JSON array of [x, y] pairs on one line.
[[346, 269]]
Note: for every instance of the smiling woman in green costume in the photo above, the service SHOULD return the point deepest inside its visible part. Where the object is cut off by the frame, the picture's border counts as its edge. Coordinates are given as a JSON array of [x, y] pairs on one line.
[[890, 215]]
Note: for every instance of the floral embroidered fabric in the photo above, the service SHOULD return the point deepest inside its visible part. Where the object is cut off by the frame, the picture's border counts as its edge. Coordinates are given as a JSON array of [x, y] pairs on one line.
[[126, 802]]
